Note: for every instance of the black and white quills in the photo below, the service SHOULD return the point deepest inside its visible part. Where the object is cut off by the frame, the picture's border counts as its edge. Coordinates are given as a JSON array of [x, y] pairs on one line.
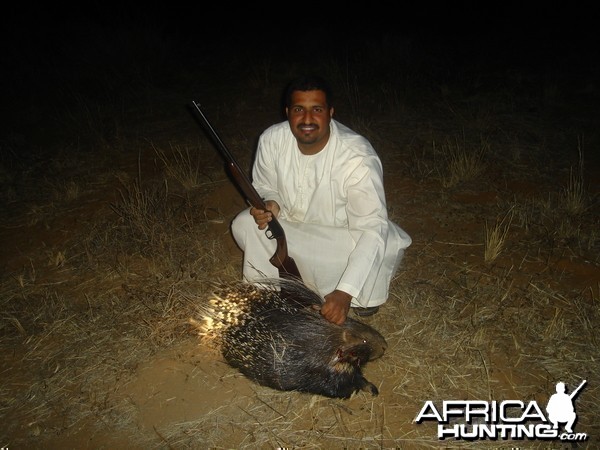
[[273, 334]]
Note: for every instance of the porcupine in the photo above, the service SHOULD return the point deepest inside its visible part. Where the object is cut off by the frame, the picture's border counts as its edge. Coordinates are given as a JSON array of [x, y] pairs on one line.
[[273, 334]]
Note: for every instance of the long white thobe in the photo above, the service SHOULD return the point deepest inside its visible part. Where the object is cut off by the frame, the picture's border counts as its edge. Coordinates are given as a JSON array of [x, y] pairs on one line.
[[333, 211]]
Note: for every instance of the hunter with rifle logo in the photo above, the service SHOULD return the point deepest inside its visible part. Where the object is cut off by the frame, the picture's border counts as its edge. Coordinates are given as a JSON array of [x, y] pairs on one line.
[[317, 191]]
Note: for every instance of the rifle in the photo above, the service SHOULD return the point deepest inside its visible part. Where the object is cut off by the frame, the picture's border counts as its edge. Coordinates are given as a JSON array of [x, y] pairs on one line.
[[280, 259], [576, 391]]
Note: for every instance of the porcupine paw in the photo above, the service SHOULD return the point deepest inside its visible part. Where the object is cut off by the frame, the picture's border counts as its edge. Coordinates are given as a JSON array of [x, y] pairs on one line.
[[370, 388]]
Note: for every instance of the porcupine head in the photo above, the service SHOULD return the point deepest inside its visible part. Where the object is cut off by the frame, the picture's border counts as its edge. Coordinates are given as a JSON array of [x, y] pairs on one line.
[[361, 341]]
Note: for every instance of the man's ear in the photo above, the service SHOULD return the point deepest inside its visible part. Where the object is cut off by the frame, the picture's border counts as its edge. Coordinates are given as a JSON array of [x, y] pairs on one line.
[[287, 112], [331, 112]]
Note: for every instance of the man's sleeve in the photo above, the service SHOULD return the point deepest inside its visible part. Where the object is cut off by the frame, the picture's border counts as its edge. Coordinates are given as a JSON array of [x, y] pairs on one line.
[[368, 225]]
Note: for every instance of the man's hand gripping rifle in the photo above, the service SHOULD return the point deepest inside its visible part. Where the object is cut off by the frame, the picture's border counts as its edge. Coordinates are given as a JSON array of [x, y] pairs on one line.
[[280, 259]]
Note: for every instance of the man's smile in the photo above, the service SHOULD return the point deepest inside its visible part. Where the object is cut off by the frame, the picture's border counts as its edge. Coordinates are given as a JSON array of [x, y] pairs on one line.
[[308, 128]]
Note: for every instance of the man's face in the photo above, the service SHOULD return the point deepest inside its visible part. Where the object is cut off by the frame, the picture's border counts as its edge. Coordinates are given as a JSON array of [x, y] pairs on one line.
[[309, 117]]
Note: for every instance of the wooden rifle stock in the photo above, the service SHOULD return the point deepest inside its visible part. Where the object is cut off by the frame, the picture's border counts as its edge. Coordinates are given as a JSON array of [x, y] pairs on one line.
[[280, 259]]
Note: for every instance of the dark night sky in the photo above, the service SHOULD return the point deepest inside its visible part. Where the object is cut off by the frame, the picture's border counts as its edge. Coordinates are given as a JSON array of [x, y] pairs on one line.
[[496, 34], [500, 27]]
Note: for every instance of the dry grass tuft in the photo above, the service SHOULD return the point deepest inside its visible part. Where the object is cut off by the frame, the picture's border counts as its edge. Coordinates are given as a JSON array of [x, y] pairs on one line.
[[462, 163], [495, 237], [183, 165], [574, 196], [144, 212]]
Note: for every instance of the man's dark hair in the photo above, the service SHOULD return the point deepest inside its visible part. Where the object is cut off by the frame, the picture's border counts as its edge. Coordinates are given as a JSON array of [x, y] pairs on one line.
[[308, 83]]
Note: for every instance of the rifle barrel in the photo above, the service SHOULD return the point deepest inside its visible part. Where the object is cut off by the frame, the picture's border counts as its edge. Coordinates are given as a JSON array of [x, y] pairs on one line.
[[215, 135], [281, 259]]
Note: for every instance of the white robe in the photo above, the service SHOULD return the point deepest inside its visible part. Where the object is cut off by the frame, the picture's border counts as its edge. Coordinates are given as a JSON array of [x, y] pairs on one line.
[[333, 212]]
